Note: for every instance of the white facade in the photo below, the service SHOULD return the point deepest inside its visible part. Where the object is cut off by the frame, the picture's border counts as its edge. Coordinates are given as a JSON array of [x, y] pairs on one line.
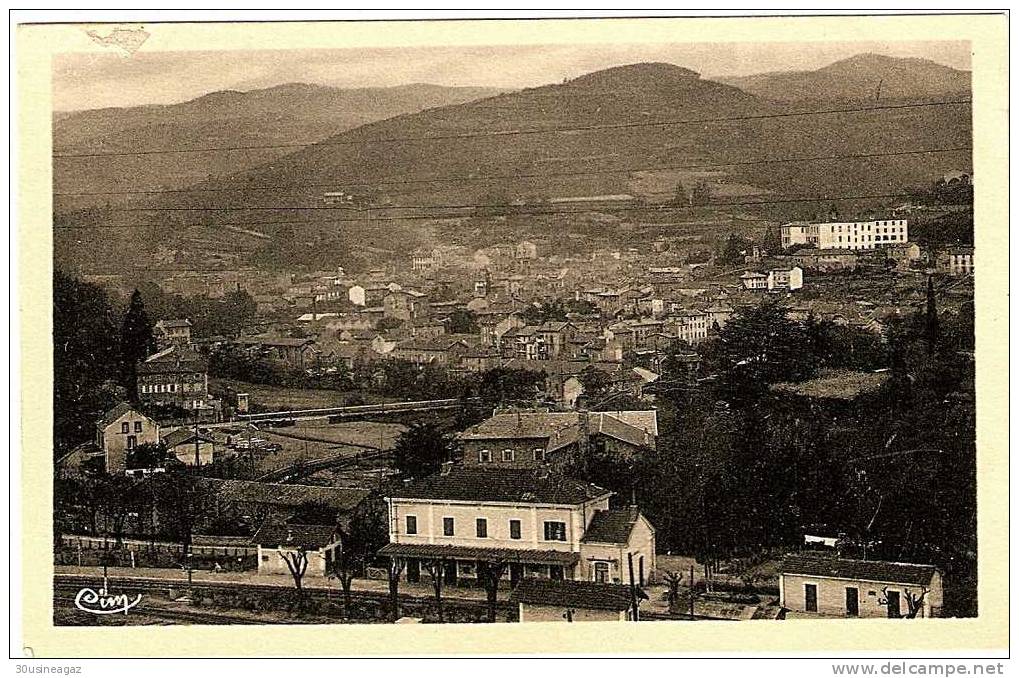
[[785, 279], [429, 522], [851, 235], [528, 528]]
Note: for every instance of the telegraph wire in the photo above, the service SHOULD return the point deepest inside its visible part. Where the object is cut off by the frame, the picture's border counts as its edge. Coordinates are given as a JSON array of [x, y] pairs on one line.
[[522, 132], [540, 175]]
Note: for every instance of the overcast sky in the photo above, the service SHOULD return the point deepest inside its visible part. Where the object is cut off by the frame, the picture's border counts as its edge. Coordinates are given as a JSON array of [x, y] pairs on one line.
[[114, 79]]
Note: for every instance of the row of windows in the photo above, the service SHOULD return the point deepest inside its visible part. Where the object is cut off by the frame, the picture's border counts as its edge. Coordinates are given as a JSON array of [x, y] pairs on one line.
[[508, 455], [554, 530], [125, 427], [169, 388]]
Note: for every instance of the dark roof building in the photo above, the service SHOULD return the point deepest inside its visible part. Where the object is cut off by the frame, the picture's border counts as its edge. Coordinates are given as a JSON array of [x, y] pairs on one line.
[[582, 595], [527, 486]]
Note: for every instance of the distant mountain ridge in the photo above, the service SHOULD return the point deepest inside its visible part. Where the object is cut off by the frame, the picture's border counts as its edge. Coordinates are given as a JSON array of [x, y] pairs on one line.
[[292, 113], [864, 76], [640, 130]]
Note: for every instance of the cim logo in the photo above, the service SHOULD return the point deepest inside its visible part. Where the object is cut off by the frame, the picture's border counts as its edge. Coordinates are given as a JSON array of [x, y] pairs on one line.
[[101, 602]]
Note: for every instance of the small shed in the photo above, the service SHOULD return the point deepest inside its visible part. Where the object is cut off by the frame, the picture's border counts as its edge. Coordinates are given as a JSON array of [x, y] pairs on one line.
[[278, 543], [546, 600]]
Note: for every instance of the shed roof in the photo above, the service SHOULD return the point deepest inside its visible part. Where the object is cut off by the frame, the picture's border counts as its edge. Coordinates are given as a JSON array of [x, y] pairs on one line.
[[308, 536], [573, 594], [864, 570]]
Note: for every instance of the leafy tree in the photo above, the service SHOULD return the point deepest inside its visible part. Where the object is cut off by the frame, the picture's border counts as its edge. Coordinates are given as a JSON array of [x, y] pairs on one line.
[[759, 346], [734, 250], [503, 385], [680, 198], [701, 194], [148, 455], [85, 360], [421, 450], [183, 501], [463, 321], [597, 384], [136, 341], [387, 323]]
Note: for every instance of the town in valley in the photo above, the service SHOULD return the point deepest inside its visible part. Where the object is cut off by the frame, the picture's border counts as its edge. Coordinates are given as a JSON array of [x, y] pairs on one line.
[[633, 344]]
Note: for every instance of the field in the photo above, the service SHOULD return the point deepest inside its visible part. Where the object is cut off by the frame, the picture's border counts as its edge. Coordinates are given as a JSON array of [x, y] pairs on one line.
[[307, 441]]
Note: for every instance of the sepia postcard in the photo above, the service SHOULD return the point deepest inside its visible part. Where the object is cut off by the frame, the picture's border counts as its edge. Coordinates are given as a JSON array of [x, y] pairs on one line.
[[416, 337]]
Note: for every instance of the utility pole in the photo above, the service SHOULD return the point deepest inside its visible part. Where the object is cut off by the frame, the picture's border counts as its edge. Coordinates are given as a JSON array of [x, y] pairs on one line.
[[198, 457], [691, 592], [634, 603]]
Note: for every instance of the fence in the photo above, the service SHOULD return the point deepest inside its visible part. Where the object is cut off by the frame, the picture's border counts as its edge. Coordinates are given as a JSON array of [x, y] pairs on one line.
[[93, 551]]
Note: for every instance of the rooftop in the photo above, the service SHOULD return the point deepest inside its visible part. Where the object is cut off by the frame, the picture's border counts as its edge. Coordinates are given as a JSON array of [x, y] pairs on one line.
[[583, 595], [612, 526], [309, 536], [499, 485], [184, 435], [863, 570], [627, 425], [115, 413]]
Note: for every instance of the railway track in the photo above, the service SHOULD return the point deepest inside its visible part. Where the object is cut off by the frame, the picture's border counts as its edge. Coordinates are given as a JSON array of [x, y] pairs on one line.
[[297, 471], [351, 411]]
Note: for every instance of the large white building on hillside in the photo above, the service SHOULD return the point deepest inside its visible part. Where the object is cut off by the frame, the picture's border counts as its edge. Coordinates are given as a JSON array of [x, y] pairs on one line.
[[850, 235]]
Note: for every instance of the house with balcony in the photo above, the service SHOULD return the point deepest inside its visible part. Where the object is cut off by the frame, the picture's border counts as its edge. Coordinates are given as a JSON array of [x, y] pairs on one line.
[[528, 522]]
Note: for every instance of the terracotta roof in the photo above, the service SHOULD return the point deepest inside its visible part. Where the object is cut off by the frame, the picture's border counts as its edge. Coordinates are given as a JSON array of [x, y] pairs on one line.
[[520, 425], [620, 430], [480, 553], [499, 485], [544, 424], [583, 595], [862, 570], [308, 536], [612, 526]]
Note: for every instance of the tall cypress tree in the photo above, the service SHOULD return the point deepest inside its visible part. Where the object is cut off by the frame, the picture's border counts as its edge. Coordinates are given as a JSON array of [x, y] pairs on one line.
[[136, 341]]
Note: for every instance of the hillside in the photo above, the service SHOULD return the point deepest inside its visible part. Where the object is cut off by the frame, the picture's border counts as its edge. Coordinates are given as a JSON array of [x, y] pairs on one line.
[[287, 114], [604, 133], [859, 78]]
